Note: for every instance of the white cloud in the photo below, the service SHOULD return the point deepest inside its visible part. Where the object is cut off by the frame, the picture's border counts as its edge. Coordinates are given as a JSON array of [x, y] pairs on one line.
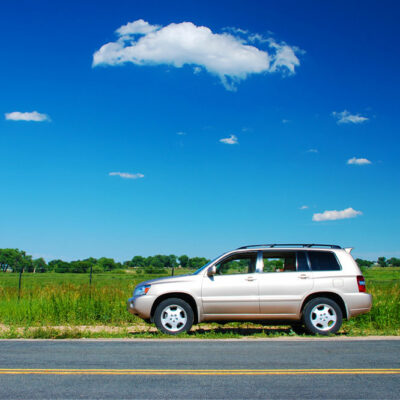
[[358, 161], [303, 207], [127, 175], [230, 140], [237, 31], [312, 151], [27, 116], [247, 35], [334, 214], [256, 37], [285, 121], [345, 117], [284, 57], [227, 55], [181, 133], [139, 27]]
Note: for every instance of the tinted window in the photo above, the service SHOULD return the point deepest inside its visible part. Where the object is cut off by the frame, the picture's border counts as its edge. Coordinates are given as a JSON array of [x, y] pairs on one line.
[[302, 264], [323, 261]]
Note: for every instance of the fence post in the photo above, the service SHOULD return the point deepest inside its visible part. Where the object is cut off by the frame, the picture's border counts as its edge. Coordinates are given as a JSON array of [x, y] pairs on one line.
[[20, 282], [90, 278]]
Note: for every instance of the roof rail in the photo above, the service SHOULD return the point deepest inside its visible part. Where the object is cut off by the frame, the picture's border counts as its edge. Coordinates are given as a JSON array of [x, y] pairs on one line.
[[305, 245]]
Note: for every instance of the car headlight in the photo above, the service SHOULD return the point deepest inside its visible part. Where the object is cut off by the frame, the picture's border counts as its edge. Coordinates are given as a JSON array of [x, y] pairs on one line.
[[141, 290]]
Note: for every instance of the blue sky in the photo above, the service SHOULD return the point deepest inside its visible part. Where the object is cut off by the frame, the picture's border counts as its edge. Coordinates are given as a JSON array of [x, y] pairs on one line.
[[266, 76]]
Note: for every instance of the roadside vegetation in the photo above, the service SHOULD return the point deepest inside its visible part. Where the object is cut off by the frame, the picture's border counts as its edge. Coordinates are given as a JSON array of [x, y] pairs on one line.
[[67, 305]]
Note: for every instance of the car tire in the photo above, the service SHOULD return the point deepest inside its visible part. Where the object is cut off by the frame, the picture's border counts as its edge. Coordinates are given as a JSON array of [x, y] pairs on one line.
[[173, 316], [322, 316]]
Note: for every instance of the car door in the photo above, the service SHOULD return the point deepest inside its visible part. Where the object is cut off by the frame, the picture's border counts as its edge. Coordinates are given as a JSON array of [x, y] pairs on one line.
[[284, 282], [233, 290]]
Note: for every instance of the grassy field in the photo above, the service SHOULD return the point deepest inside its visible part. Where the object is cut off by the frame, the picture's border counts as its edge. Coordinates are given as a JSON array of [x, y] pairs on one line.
[[66, 302]]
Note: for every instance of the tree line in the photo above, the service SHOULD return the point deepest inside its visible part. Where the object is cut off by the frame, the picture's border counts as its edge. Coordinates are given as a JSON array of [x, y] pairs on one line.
[[381, 262], [15, 260]]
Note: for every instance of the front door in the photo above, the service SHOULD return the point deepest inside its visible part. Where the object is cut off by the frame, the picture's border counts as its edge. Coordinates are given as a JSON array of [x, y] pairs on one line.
[[233, 290]]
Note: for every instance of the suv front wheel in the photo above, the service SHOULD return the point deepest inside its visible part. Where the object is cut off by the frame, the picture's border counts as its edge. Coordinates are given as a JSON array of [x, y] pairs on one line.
[[322, 316], [173, 316]]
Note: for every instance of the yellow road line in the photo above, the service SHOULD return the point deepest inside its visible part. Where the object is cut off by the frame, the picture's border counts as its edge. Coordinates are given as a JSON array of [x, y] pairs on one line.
[[339, 371]]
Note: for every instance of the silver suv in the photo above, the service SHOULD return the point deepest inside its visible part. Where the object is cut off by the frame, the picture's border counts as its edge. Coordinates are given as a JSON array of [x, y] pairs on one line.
[[313, 285]]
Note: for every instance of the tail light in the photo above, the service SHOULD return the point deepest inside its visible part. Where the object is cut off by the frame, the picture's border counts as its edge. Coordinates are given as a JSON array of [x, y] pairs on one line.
[[361, 283]]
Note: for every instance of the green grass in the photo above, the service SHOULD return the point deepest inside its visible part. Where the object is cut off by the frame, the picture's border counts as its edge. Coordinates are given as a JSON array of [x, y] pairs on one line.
[[30, 280], [67, 299], [382, 274], [51, 300]]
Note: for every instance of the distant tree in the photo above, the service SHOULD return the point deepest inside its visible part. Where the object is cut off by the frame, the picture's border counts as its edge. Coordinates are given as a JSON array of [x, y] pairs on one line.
[[158, 261], [39, 265], [171, 261], [382, 262], [364, 263], [394, 262], [197, 262], [59, 266], [51, 265], [91, 260], [106, 264], [80, 267], [8, 259], [15, 260], [183, 261]]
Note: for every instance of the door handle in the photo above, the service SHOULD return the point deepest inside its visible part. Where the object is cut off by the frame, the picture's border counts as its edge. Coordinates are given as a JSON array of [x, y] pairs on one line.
[[303, 276], [250, 278]]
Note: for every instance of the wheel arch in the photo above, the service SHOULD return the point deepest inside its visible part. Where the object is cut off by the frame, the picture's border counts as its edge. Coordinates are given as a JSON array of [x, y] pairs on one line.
[[180, 295], [330, 295]]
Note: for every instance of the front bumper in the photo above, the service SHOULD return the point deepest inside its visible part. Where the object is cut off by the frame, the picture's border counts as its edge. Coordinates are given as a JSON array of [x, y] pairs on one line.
[[130, 306], [140, 306]]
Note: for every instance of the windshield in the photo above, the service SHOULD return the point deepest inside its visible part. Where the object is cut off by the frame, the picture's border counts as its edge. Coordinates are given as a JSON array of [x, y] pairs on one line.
[[205, 266]]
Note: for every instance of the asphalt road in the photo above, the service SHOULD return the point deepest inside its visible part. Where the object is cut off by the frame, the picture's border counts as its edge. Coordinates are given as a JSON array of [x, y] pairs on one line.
[[200, 369]]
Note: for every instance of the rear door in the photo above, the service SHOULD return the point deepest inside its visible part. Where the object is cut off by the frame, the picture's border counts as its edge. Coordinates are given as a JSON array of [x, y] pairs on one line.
[[326, 270], [284, 282]]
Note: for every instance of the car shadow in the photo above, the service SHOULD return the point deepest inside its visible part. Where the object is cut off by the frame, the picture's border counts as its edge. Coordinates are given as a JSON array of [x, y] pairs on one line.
[[219, 332], [227, 332], [242, 331]]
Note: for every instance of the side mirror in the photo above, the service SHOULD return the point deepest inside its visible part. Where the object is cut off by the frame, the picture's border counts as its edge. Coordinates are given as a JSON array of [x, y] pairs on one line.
[[212, 271]]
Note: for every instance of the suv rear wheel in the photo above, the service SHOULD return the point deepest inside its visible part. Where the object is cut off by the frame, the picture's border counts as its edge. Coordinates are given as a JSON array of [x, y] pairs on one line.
[[173, 316], [322, 316]]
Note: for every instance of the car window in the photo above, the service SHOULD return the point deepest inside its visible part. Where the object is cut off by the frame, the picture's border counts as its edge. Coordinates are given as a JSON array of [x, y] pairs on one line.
[[238, 264], [284, 261], [323, 261]]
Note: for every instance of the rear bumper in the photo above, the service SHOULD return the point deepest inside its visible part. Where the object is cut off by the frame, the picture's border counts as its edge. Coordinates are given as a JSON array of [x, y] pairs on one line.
[[358, 303], [140, 306]]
